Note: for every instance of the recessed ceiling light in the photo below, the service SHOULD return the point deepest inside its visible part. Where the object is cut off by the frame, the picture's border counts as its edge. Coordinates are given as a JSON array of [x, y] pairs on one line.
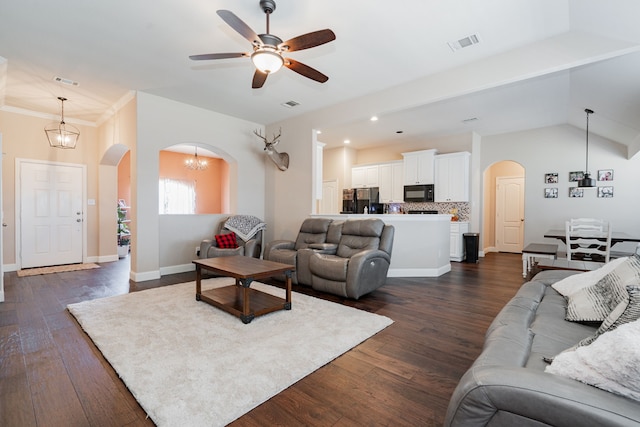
[[346, 141], [318, 132], [374, 118]]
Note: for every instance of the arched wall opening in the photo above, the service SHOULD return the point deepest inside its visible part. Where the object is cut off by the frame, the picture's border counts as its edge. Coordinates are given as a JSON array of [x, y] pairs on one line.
[[492, 175]]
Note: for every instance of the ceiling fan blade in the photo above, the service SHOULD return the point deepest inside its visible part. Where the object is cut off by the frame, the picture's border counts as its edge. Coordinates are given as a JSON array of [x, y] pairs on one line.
[[258, 79], [308, 40], [238, 24], [218, 56], [305, 70]]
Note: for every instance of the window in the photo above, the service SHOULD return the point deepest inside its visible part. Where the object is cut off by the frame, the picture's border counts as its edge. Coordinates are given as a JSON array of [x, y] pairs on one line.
[[177, 197]]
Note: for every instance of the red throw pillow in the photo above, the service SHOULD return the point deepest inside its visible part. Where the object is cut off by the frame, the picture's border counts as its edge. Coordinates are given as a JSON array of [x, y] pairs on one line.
[[227, 241]]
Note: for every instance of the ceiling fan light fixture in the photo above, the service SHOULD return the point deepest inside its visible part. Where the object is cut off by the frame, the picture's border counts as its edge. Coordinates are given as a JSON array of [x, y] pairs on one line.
[[267, 60], [61, 134]]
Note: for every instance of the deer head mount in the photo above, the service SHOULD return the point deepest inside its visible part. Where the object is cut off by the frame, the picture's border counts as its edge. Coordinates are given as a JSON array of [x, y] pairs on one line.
[[280, 159]]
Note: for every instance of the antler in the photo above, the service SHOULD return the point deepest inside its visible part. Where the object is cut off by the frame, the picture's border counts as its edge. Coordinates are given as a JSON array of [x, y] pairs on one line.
[[273, 142]]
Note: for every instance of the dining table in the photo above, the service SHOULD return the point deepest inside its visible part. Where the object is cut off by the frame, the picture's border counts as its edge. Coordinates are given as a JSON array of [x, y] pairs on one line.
[[616, 236]]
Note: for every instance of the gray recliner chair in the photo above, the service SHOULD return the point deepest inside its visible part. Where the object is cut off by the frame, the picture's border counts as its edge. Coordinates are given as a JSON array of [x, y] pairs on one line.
[[312, 231], [250, 248], [360, 262]]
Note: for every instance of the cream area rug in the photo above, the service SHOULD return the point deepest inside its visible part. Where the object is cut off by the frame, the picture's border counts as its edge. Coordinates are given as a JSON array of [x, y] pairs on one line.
[[55, 269], [191, 364]]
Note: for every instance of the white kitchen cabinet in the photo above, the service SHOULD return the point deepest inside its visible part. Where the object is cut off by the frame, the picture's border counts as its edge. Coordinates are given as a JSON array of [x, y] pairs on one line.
[[391, 182], [418, 167], [452, 177], [456, 247], [364, 176]]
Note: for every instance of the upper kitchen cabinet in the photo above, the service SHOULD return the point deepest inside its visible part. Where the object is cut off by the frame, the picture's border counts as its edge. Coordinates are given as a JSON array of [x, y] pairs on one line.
[[391, 182], [452, 177], [418, 167], [364, 176]]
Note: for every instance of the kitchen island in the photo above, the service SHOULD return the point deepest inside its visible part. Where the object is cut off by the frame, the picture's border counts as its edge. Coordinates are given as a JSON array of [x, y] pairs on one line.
[[420, 244]]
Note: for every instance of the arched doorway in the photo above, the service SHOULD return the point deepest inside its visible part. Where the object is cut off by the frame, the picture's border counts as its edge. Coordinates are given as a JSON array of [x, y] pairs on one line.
[[504, 222]]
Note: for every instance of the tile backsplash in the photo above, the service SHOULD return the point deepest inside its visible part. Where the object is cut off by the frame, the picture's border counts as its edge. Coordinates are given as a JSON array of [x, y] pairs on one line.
[[464, 211]]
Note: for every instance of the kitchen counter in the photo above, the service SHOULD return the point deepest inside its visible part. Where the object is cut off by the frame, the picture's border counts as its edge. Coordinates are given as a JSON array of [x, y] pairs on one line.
[[420, 243]]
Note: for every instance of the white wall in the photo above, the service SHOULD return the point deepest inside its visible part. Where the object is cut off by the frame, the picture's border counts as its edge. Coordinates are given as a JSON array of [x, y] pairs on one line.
[[162, 123], [562, 149]]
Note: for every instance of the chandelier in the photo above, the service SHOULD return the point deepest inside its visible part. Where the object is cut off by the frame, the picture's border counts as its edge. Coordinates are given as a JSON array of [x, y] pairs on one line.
[[62, 135], [195, 163]]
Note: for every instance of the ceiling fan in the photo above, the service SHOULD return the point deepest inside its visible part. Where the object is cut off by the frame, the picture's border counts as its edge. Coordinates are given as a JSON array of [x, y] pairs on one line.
[[269, 50]]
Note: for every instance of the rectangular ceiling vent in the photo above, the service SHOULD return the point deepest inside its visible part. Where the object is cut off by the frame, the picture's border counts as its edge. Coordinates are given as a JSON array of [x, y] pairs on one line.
[[470, 120], [64, 81], [464, 42], [290, 104]]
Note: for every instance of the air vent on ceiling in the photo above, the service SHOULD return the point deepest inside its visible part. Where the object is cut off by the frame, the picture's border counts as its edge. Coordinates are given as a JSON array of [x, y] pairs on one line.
[[469, 120], [464, 42], [64, 81], [290, 104]]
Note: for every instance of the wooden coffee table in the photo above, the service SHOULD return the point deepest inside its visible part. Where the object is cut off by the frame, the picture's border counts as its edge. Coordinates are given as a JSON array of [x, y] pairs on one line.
[[240, 299]]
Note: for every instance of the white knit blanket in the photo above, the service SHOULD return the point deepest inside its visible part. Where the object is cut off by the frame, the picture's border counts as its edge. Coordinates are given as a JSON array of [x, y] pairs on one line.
[[611, 362], [245, 226]]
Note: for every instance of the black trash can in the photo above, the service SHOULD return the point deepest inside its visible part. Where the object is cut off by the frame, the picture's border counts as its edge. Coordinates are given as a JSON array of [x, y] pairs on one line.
[[471, 246]]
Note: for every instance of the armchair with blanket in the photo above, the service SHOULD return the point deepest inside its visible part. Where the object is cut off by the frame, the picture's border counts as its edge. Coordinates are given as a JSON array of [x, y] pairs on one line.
[[235, 235]]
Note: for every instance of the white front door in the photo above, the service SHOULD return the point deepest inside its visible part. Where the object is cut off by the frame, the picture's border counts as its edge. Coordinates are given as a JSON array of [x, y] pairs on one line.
[[509, 214], [51, 215]]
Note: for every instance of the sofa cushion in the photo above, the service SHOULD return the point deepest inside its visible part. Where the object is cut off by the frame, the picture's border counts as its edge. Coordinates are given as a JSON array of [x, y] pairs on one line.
[[226, 241], [312, 230], [611, 362], [594, 303], [329, 267]]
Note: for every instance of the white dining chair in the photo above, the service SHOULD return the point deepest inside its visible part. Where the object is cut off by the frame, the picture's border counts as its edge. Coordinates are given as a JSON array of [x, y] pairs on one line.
[[588, 239]]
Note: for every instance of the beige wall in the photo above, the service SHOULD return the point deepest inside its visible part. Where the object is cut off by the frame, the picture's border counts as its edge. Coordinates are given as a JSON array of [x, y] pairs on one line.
[[23, 137]]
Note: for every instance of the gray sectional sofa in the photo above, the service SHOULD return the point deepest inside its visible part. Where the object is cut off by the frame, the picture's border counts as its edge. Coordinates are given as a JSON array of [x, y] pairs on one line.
[[507, 385]]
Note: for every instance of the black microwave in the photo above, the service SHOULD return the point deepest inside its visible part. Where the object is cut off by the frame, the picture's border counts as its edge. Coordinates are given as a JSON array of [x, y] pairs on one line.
[[418, 193]]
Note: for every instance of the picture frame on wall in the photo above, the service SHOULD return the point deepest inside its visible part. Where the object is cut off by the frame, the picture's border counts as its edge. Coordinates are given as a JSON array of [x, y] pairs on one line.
[[551, 178], [551, 193], [605, 175], [576, 192], [605, 191], [576, 176]]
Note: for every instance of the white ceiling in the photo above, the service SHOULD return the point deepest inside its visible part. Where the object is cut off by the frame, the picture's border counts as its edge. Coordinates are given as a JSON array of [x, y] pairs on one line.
[[114, 47]]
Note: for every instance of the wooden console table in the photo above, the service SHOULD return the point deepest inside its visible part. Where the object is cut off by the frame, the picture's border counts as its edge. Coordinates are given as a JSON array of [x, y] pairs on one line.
[[239, 299]]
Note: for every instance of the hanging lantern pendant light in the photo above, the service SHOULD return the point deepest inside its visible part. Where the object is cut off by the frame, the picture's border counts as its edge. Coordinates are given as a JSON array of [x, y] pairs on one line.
[[62, 135], [587, 181]]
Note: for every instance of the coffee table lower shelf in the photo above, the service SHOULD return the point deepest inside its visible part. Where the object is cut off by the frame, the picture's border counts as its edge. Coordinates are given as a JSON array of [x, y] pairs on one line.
[[233, 299]]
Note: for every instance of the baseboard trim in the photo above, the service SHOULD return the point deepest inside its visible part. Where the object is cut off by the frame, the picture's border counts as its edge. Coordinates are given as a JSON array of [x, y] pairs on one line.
[[419, 272], [143, 277], [175, 269], [9, 267], [106, 258]]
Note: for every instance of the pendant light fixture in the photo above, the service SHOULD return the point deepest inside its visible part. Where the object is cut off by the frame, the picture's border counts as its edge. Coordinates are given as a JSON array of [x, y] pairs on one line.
[[196, 164], [587, 181], [62, 135]]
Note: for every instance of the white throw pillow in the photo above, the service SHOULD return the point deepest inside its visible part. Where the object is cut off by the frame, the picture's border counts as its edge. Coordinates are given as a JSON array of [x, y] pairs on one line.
[[596, 302], [576, 282], [611, 362]]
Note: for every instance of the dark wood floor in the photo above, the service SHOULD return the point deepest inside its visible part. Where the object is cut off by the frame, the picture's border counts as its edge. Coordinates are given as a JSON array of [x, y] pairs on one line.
[[51, 374]]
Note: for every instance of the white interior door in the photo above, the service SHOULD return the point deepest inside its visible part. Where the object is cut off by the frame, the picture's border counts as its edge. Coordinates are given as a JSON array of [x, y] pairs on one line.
[[509, 214], [329, 202], [51, 215]]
